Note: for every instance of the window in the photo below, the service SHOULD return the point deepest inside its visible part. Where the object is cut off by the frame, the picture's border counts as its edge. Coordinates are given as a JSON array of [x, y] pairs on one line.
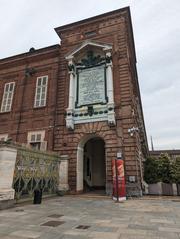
[[7, 97], [36, 140], [41, 91], [3, 137]]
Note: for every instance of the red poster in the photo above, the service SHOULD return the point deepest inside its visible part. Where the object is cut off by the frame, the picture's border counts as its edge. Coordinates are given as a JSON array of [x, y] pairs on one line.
[[118, 180]]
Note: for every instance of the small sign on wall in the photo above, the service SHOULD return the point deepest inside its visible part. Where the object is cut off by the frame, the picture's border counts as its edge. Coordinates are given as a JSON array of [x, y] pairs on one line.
[[119, 155], [132, 179]]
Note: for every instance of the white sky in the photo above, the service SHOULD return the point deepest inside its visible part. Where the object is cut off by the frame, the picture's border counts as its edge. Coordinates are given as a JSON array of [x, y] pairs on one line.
[[156, 24]]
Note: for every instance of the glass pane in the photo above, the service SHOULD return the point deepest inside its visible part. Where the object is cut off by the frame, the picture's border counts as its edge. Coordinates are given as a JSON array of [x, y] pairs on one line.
[[38, 90], [35, 145], [39, 81], [44, 80], [38, 138], [11, 86], [33, 137], [43, 89], [37, 103], [4, 102], [42, 102], [43, 96], [6, 87]]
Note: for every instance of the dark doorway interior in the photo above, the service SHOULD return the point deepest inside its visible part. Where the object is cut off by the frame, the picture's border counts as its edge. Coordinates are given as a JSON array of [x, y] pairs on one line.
[[94, 166]]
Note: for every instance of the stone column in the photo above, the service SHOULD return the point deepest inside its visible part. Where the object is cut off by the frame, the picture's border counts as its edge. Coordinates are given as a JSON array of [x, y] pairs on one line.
[[110, 89], [109, 76], [71, 91], [63, 173], [70, 110], [7, 167]]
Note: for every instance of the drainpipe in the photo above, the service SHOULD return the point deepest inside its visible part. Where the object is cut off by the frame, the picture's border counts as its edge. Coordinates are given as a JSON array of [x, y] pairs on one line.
[[28, 73]]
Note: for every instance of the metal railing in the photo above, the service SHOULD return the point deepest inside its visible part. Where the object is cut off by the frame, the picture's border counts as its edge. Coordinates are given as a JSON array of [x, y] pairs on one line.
[[35, 170]]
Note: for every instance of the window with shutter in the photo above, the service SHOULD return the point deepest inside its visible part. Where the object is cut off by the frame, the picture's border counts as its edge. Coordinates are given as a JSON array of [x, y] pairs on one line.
[[7, 97], [36, 140], [41, 91]]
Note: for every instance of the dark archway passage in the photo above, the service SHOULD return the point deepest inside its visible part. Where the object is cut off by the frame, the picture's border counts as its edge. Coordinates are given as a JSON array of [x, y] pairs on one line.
[[94, 167]]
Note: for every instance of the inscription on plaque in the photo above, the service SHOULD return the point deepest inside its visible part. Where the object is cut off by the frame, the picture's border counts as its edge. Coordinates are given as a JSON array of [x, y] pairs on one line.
[[91, 86]]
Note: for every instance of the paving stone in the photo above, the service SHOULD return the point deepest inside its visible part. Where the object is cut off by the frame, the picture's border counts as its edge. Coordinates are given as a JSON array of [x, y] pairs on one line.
[[156, 219], [114, 225], [26, 234], [74, 237], [53, 223], [134, 236], [103, 235], [142, 227], [169, 229], [13, 237], [105, 229], [76, 232], [56, 215], [166, 221]]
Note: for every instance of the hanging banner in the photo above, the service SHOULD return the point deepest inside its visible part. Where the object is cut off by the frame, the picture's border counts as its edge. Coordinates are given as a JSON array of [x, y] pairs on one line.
[[119, 190]]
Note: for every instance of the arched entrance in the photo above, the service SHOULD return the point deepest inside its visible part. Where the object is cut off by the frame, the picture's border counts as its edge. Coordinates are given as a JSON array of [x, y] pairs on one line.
[[91, 164]]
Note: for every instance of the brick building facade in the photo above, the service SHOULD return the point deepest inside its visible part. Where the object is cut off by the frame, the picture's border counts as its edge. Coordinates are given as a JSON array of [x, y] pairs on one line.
[[172, 153], [51, 106]]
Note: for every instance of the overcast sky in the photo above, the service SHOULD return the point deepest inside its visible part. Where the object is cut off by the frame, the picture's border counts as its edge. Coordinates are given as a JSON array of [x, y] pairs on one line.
[[156, 25]]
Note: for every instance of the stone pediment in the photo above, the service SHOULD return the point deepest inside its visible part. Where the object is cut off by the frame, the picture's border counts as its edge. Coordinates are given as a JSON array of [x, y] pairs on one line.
[[104, 47]]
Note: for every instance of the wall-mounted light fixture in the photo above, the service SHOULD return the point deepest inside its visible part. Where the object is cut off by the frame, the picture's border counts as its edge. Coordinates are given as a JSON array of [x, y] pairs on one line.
[[29, 72], [132, 130]]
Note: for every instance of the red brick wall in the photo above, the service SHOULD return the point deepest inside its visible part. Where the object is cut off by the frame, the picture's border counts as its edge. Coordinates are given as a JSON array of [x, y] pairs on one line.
[[112, 29], [23, 116]]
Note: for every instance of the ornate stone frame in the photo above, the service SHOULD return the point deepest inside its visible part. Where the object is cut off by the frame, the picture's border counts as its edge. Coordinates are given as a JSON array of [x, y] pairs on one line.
[[105, 83], [107, 112]]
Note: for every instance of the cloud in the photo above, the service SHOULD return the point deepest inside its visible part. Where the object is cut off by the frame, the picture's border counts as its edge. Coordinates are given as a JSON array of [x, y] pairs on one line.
[[157, 32]]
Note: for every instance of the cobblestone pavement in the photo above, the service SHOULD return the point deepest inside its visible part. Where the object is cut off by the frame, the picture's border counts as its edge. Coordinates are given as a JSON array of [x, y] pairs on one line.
[[73, 217]]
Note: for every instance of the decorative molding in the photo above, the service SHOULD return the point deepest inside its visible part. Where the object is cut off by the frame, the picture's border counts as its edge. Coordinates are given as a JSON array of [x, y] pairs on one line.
[[71, 67], [91, 60], [105, 47], [92, 111]]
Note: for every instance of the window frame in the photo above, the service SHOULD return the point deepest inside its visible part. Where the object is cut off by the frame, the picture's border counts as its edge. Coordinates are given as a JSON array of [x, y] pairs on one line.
[[40, 142], [7, 97], [45, 92]]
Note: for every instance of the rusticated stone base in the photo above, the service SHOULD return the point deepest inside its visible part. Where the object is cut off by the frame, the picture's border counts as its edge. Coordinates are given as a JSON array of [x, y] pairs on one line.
[[133, 190]]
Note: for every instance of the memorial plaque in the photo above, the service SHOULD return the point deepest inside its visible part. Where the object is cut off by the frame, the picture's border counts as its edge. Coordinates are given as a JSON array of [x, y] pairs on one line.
[[91, 86]]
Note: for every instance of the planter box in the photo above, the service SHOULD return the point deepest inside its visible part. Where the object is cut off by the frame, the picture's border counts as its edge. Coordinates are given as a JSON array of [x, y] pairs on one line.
[[155, 189], [167, 189], [178, 189]]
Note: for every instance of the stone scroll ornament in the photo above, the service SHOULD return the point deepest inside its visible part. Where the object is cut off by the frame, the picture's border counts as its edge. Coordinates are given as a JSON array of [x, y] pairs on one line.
[[119, 190]]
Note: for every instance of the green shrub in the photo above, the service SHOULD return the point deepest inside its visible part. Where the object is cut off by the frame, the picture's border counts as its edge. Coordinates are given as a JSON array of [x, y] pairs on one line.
[[164, 164], [162, 169], [175, 170], [151, 171]]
